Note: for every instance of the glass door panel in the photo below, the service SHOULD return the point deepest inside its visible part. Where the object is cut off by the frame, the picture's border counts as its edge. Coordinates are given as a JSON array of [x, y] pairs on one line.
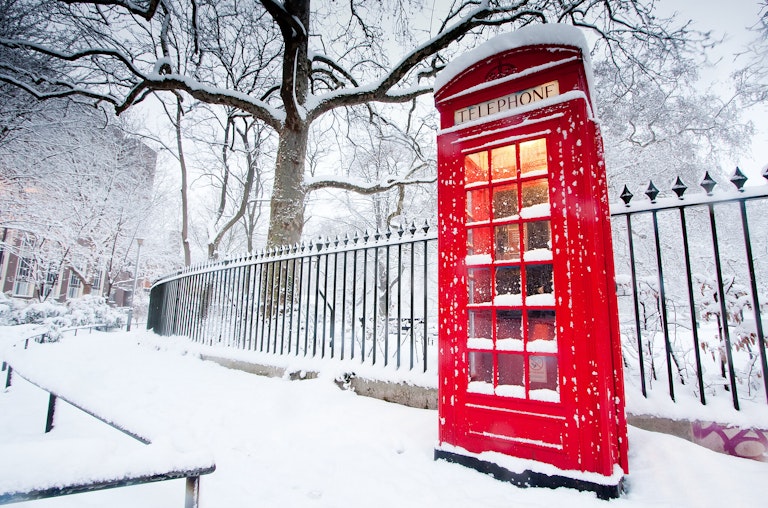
[[533, 157], [504, 162], [505, 202], [507, 242], [511, 339], [476, 167], [478, 209]]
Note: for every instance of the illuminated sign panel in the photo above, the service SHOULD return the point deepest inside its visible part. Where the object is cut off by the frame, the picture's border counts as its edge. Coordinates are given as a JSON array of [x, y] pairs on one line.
[[507, 102]]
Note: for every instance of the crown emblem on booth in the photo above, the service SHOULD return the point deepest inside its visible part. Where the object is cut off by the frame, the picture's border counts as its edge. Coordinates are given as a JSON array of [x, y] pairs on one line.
[[500, 71]]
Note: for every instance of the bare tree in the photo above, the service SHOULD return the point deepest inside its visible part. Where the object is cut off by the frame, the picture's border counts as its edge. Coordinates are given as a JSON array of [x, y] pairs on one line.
[[752, 79], [665, 126], [287, 64]]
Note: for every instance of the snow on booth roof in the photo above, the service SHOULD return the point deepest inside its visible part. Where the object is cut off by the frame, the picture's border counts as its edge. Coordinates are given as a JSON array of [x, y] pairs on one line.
[[549, 33]]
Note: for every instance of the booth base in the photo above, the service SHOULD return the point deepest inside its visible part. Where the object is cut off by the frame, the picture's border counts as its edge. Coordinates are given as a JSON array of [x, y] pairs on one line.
[[529, 478]]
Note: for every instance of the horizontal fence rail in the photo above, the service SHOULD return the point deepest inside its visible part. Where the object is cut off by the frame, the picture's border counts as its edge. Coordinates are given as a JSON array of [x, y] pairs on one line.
[[692, 283], [369, 298]]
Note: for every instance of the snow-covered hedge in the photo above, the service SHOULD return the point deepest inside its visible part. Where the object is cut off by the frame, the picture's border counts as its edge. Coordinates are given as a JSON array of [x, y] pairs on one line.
[[88, 310]]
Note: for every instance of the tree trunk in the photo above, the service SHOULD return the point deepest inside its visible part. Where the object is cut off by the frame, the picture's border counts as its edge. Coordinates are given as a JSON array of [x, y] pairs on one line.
[[184, 197], [286, 219]]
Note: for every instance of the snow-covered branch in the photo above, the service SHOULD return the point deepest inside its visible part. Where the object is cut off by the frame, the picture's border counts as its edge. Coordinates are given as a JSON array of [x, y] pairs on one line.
[[133, 7], [385, 88], [365, 188]]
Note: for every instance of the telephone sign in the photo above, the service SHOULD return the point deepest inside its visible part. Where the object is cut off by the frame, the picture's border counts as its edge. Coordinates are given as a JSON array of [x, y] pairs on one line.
[[529, 352]]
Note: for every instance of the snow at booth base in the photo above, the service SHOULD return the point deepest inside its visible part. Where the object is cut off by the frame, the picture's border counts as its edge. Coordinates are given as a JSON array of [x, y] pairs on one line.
[[281, 443]]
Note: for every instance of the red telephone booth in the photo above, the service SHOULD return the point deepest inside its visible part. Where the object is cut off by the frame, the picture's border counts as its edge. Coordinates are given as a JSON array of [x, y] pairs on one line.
[[529, 353]]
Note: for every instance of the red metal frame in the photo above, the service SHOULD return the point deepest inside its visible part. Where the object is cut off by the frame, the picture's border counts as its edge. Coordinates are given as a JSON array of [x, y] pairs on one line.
[[530, 361]]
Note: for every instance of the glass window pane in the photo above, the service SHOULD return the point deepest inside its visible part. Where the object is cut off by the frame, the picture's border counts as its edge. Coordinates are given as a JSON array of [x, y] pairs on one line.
[[542, 378], [505, 202], [480, 330], [476, 167], [480, 372], [542, 334], [538, 281], [535, 194], [508, 286], [511, 376], [504, 162], [478, 205], [479, 246], [479, 285], [507, 242], [509, 333], [538, 241], [533, 157]]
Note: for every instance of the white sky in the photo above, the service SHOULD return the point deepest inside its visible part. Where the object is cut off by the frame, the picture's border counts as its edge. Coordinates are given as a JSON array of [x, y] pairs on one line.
[[730, 20]]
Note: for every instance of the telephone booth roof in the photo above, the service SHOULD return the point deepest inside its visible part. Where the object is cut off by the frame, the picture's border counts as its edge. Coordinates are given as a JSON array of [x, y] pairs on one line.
[[514, 58]]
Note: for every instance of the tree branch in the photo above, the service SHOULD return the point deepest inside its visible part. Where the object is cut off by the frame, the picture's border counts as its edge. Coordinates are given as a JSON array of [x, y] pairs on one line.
[[366, 189], [382, 91], [134, 8]]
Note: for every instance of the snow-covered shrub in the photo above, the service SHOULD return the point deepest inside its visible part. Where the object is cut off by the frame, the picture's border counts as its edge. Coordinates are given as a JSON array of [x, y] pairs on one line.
[[8, 307], [39, 312], [88, 310]]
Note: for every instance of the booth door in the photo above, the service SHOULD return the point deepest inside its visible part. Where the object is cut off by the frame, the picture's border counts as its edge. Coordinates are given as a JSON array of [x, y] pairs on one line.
[[517, 349]]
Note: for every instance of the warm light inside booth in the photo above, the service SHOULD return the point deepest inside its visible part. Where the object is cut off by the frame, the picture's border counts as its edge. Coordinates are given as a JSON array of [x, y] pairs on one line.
[[512, 342]]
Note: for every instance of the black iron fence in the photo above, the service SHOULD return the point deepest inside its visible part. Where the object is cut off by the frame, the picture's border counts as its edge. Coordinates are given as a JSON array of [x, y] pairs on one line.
[[369, 298], [692, 280]]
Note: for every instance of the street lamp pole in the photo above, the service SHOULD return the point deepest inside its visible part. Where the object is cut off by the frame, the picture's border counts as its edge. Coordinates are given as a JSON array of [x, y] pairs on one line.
[[139, 243]]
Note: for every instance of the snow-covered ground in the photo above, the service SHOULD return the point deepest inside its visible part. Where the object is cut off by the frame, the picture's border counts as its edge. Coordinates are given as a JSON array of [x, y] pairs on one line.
[[281, 443]]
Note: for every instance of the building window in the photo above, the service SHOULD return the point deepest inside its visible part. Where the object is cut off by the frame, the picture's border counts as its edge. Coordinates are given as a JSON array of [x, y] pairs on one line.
[[50, 281], [96, 286], [73, 289], [23, 284]]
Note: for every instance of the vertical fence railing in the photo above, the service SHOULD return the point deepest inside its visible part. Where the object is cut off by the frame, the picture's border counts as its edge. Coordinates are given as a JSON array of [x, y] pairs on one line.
[[692, 281], [691, 289], [369, 298]]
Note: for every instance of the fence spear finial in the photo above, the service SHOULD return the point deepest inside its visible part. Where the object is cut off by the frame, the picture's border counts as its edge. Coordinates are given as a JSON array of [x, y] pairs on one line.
[[739, 179], [652, 192], [626, 196], [708, 183], [679, 188]]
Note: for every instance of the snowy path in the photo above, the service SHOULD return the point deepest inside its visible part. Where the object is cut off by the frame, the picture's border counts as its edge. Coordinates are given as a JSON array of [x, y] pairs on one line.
[[280, 443]]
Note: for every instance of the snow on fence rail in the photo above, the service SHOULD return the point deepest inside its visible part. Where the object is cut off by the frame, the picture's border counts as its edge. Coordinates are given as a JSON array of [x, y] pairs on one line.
[[79, 466], [370, 297], [682, 263]]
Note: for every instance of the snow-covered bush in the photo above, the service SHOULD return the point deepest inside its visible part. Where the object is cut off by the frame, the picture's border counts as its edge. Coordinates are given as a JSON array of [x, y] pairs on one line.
[[38, 313], [8, 306], [88, 310]]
